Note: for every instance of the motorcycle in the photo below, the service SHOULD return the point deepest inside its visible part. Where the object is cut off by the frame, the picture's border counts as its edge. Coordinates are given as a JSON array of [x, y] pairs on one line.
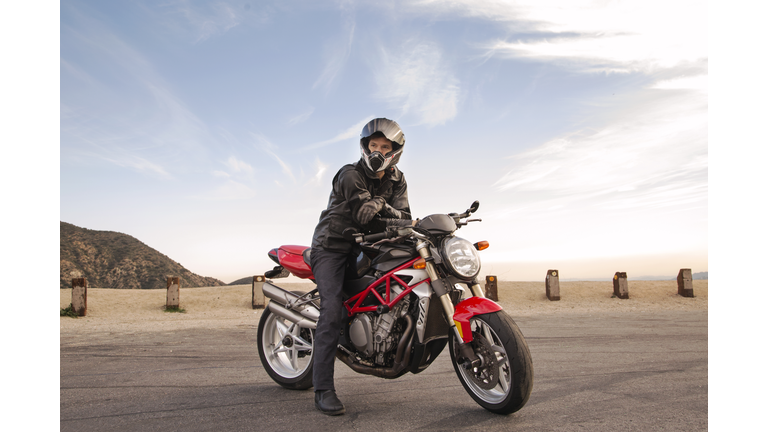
[[408, 293]]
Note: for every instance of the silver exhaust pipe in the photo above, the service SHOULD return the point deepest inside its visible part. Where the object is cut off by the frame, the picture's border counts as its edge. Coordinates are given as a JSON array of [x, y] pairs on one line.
[[285, 298], [291, 316]]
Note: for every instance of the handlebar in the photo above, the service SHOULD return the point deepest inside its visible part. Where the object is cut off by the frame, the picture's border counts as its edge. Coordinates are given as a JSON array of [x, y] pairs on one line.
[[351, 234], [373, 237]]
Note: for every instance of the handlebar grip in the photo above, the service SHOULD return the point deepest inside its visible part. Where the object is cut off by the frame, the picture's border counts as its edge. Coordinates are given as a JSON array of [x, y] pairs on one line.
[[375, 236]]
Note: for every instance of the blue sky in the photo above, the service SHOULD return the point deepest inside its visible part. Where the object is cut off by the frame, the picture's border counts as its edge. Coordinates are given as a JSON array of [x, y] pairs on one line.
[[211, 130]]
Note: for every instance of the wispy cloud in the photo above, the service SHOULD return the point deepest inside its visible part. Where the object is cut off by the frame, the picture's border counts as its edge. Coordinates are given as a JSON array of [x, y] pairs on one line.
[[238, 166], [618, 36], [98, 123], [230, 190], [301, 118], [268, 147], [347, 134], [202, 20], [320, 170], [78, 73], [698, 82], [167, 132], [93, 144], [337, 54], [597, 53], [172, 123], [139, 164], [650, 156], [285, 166], [417, 80], [234, 182], [637, 184], [647, 151]]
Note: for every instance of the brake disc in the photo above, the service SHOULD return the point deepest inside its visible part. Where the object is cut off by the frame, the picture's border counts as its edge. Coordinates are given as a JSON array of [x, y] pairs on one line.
[[485, 376]]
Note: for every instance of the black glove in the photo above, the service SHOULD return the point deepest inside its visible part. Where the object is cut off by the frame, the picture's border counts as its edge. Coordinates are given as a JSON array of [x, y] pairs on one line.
[[368, 210]]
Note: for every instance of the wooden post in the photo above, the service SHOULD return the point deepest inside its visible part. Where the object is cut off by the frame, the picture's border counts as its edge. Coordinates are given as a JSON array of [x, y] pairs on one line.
[[620, 286], [257, 299], [80, 296], [553, 285], [491, 289], [172, 297], [685, 283]]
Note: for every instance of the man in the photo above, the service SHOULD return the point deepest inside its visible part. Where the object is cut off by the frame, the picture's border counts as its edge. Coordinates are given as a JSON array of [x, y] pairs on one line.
[[372, 186]]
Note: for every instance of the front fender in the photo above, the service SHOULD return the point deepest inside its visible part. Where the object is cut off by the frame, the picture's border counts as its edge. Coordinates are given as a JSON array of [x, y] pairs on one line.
[[468, 308]]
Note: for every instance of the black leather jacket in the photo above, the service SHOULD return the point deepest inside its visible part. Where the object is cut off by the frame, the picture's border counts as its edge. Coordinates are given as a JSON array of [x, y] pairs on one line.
[[354, 186]]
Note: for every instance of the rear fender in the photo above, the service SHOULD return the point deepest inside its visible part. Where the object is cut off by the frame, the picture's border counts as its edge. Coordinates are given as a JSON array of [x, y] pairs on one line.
[[468, 308]]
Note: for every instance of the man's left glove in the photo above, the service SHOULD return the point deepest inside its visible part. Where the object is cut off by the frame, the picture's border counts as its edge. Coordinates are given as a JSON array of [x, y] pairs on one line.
[[368, 210]]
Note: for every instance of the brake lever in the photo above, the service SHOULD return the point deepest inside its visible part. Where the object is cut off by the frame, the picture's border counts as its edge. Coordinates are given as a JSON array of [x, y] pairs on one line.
[[468, 221], [387, 240]]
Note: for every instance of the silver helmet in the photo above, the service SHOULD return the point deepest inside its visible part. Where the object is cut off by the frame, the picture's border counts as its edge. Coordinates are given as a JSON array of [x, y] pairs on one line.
[[388, 129]]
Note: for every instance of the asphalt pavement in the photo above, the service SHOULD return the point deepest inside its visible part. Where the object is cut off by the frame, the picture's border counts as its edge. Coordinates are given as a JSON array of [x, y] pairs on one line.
[[600, 372]]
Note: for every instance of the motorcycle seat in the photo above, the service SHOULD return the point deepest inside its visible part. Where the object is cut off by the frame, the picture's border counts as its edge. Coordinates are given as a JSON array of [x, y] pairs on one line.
[[305, 254]]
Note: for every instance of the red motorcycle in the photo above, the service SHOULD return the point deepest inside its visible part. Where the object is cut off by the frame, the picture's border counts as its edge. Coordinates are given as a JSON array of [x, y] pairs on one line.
[[408, 293]]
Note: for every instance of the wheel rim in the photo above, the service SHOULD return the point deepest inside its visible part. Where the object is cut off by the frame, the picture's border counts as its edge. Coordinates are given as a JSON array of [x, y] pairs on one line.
[[498, 368], [287, 347]]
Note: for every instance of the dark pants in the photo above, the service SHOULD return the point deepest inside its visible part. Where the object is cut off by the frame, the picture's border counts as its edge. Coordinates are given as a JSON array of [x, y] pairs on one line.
[[328, 267]]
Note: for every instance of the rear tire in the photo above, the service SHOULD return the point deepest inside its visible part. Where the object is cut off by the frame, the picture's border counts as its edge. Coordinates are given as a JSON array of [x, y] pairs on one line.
[[285, 350], [503, 382]]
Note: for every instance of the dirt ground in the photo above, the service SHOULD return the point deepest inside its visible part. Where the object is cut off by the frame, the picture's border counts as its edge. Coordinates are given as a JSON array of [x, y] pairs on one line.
[[113, 310]]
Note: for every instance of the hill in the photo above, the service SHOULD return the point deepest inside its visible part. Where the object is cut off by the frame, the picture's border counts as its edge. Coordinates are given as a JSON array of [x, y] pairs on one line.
[[701, 276], [109, 259], [243, 281]]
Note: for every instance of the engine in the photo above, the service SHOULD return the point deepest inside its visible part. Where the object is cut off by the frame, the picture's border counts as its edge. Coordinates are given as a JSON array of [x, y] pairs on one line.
[[376, 336]]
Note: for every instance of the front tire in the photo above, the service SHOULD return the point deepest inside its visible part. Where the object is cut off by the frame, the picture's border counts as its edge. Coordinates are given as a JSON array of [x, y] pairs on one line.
[[285, 350], [503, 382]]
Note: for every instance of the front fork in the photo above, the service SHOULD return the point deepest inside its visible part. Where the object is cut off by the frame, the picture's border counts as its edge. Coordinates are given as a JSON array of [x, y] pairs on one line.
[[465, 350]]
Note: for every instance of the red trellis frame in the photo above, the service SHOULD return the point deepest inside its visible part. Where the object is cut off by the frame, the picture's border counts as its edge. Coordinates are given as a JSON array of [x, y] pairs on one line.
[[353, 304]]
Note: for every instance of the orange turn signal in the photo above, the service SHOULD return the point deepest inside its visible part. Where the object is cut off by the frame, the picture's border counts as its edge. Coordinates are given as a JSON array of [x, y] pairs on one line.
[[482, 245], [420, 264]]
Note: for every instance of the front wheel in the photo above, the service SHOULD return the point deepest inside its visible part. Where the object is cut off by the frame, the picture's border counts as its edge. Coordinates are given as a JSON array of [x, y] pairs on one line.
[[286, 351], [503, 381]]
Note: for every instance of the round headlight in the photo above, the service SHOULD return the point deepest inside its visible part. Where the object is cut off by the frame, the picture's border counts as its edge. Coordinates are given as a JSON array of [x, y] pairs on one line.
[[462, 257]]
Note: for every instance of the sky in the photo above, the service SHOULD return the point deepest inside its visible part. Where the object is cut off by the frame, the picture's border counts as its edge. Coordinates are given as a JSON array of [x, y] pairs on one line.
[[211, 130]]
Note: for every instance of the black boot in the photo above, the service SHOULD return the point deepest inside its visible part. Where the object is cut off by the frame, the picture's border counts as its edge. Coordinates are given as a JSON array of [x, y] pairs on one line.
[[328, 403]]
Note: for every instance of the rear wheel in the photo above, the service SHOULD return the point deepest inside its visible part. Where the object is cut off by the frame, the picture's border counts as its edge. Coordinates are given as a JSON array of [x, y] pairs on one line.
[[503, 381], [286, 351]]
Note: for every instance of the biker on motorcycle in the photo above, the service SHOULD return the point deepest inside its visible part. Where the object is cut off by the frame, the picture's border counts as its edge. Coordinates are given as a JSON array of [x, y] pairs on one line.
[[374, 185]]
